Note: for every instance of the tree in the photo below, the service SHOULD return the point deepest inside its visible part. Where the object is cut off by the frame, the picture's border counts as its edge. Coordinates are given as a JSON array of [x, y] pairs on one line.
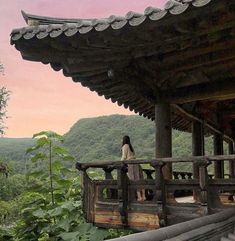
[[1, 69], [4, 97]]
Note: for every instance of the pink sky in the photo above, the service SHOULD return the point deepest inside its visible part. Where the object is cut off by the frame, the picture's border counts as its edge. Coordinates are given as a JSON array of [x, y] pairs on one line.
[[42, 99]]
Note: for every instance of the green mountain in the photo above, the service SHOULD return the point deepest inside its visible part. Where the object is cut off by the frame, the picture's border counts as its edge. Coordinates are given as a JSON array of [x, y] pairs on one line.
[[14, 148], [12, 151], [100, 138]]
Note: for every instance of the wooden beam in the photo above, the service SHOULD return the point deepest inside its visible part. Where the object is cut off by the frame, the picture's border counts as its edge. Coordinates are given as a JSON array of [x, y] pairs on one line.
[[212, 128], [220, 90]]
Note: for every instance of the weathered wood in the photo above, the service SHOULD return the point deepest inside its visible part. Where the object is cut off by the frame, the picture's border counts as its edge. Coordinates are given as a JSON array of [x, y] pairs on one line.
[[111, 193], [137, 220], [164, 135], [218, 150], [88, 197], [160, 196], [205, 123], [116, 164], [197, 150], [205, 196], [231, 162], [123, 212], [122, 184], [220, 90]]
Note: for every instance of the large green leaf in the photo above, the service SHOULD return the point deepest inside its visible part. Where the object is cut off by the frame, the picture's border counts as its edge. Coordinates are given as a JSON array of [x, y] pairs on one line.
[[63, 182], [39, 213], [69, 205], [98, 234], [84, 228], [39, 156], [35, 174], [40, 134], [49, 134], [64, 224], [71, 236], [56, 165], [56, 211], [42, 141], [59, 150]]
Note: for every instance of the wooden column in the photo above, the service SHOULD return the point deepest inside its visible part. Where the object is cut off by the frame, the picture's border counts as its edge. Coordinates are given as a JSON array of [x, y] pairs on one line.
[[164, 135], [197, 150], [218, 150], [231, 163]]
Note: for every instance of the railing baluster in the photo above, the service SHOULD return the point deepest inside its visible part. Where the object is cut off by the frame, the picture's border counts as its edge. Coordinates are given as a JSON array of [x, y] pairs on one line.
[[111, 193]]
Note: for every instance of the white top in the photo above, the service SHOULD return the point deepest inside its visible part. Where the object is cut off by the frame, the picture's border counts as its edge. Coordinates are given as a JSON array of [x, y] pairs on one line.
[[127, 154]]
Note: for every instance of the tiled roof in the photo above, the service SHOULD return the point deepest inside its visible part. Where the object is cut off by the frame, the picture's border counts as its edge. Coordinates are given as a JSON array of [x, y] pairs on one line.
[[42, 27], [140, 59]]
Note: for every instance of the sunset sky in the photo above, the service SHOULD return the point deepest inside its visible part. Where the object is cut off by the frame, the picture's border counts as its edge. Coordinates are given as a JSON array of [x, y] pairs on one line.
[[42, 99]]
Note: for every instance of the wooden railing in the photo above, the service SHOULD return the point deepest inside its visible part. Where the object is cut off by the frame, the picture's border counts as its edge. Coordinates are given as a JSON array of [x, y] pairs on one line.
[[112, 201]]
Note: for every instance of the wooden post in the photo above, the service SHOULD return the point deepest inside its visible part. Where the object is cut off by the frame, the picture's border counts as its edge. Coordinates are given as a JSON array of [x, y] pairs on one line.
[[122, 182], [197, 150], [214, 200], [203, 182], [88, 196], [159, 195], [164, 135], [231, 163], [218, 150]]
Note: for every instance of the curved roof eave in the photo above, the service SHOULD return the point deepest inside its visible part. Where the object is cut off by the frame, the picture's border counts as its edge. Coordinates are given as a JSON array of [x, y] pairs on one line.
[[83, 26]]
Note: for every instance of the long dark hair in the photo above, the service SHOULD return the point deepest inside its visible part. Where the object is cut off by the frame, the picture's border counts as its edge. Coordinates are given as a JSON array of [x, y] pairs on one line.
[[126, 140]]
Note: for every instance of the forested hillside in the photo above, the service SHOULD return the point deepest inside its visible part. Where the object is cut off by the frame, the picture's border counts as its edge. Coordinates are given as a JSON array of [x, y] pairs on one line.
[[14, 148], [100, 139], [49, 169]]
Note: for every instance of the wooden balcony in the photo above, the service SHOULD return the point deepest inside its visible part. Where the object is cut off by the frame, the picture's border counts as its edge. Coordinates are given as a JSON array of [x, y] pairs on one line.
[[111, 200]]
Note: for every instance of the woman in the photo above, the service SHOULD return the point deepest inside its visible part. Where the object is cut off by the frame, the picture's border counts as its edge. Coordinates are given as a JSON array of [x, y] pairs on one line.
[[134, 170]]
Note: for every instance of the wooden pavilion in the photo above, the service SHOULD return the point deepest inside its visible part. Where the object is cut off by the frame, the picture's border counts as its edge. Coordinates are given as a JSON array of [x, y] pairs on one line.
[[174, 66]]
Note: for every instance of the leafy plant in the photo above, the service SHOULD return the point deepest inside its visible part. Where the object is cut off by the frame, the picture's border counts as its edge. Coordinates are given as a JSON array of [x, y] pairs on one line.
[[6, 234], [54, 210]]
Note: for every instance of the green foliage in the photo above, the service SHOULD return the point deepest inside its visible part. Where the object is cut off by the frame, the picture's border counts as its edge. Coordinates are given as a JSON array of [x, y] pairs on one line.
[[12, 186], [53, 211], [4, 97], [100, 139], [12, 152], [6, 234], [113, 233]]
